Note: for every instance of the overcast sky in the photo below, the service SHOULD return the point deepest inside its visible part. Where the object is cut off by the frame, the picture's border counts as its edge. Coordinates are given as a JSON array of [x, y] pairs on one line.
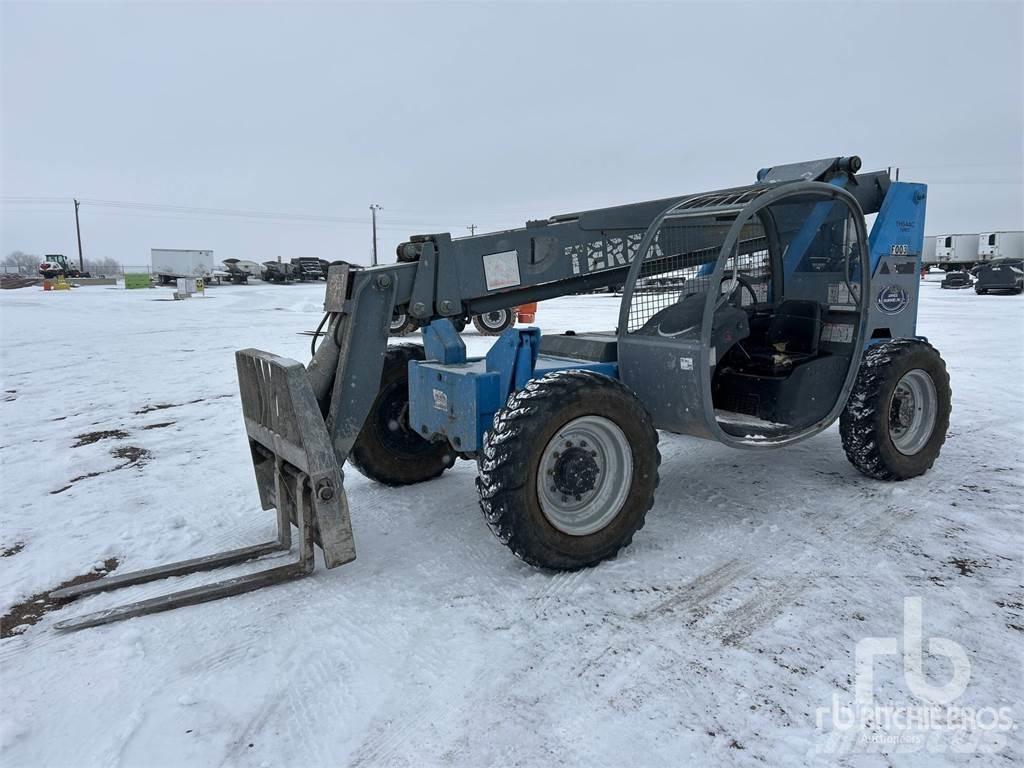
[[455, 114]]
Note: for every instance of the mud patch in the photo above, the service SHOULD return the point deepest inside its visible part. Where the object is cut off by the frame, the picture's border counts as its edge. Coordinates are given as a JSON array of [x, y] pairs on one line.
[[965, 565], [160, 425], [88, 438], [31, 610], [133, 457], [165, 406], [12, 550], [132, 454], [156, 407]]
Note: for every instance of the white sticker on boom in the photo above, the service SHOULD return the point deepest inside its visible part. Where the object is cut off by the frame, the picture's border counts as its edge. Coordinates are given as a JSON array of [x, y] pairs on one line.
[[686, 363], [501, 270], [441, 400]]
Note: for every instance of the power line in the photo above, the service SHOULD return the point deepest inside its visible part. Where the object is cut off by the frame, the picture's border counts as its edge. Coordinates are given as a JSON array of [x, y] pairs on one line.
[[138, 207]]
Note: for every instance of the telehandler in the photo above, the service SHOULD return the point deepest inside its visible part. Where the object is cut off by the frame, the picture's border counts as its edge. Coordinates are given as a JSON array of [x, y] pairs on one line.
[[754, 316]]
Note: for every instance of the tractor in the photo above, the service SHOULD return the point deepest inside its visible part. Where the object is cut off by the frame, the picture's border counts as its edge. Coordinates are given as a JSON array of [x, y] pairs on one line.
[[754, 316], [57, 265]]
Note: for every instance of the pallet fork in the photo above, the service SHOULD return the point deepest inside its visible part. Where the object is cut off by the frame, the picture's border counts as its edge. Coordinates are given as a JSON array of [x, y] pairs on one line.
[[297, 474]]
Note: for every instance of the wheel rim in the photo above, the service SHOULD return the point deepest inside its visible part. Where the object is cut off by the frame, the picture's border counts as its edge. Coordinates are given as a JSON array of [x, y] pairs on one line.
[[912, 412], [495, 319], [397, 322], [584, 475]]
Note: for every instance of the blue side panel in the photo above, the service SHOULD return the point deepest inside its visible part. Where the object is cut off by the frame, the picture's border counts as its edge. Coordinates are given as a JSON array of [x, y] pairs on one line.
[[895, 246], [457, 401], [900, 222]]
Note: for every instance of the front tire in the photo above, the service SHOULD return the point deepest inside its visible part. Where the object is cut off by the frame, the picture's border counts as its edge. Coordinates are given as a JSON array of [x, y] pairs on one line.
[[897, 415], [568, 470], [387, 449], [495, 322]]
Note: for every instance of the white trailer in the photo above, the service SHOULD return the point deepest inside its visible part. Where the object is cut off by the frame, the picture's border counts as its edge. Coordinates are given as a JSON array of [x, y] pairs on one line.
[[928, 256], [168, 264], [1000, 245], [956, 251]]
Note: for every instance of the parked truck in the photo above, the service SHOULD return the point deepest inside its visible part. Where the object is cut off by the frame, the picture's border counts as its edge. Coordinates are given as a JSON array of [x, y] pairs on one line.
[[1000, 245], [168, 264], [307, 268], [953, 252]]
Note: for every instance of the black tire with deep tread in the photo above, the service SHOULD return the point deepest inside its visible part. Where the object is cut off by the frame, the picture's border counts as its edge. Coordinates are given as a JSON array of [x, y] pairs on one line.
[[390, 455], [864, 423], [487, 330], [511, 453]]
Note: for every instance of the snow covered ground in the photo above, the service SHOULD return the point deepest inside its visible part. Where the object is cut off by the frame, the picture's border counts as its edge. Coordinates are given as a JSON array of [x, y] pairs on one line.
[[715, 639]]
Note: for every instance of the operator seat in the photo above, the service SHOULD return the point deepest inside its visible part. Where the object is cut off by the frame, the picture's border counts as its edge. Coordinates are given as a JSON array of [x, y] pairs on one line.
[[795, 327], [793, 336]]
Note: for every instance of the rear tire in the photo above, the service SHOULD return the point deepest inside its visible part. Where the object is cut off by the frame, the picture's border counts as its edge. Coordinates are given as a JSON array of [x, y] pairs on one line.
[[495, 322], [592, 443], [387, 450], [895, 421]]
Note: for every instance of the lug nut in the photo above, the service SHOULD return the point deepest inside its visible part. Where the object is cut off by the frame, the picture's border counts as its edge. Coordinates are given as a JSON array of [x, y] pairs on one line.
[[578, 497]]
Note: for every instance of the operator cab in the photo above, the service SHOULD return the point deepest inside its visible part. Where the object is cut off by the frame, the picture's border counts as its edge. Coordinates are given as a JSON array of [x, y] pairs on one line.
[[744, 320]]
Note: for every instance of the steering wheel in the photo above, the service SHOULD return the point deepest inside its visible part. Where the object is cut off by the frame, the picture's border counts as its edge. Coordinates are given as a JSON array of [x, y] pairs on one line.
[[743, 284]]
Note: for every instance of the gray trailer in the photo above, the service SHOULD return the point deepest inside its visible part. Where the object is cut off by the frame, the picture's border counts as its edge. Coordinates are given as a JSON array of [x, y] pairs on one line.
[[1000, 245], [928, 255], [956, 251], [168, 264]]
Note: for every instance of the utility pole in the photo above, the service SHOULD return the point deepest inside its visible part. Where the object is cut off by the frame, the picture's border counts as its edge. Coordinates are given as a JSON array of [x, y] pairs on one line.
[[472, 229], [78, 231], [373, 213]]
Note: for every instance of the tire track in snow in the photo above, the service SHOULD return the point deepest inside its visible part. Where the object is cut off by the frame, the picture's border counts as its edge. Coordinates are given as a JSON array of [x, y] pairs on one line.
[[702, 589], [765, 603]]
